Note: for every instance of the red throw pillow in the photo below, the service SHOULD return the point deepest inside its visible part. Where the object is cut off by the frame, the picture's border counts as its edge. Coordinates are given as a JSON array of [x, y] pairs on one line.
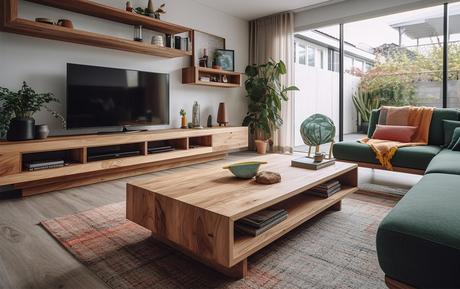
[[399, 133]]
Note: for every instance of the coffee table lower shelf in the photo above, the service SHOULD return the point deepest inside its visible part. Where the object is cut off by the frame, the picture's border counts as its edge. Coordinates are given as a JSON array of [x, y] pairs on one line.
[[300, 209]]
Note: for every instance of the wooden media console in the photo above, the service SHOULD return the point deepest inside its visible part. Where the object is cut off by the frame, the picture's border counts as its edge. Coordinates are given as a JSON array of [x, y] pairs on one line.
[[96, 158]]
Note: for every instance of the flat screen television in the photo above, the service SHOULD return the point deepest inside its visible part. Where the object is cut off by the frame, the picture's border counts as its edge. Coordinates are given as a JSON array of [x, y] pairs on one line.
[[112, 97]]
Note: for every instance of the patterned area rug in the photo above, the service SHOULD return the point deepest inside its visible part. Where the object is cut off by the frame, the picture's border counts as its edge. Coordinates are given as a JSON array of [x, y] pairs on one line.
[[334, 250]]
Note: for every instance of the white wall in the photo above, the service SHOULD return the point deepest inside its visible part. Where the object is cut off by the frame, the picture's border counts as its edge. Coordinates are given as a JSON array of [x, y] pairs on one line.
[[42, 62], [354, 10], [319, 93]]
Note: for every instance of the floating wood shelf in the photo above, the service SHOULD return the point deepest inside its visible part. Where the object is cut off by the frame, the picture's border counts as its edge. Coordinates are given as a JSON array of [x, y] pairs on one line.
[[10, 23], [192, 75]]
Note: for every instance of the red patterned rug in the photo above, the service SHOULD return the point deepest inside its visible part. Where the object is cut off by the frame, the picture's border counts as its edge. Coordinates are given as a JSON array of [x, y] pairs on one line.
[[334, 250]]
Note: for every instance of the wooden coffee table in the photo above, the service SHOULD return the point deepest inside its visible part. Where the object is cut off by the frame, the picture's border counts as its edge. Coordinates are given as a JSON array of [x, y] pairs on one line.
[[195, 212]]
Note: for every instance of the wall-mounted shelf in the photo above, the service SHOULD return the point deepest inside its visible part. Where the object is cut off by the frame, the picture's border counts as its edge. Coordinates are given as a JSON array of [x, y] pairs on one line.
[[11, 23], [192, 75]]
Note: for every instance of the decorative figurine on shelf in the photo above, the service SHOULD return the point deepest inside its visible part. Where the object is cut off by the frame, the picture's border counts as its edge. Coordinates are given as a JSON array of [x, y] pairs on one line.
[[204, 59], [216, 62], [224, 79], [209, 123], [159, 11], [316, 130], [149, 10], [138, 33], [196, 115], [222, 115], [129, 6], [183, 120]]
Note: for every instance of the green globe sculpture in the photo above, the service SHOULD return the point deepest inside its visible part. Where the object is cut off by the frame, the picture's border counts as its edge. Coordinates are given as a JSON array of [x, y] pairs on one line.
[[316, 130]]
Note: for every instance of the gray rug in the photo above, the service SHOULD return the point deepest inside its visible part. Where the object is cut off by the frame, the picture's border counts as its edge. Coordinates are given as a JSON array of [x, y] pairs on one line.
[[334, 250]]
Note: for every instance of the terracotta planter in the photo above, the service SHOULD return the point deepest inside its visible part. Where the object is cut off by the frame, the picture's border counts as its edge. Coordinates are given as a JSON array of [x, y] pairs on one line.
[[183, 122], [261, 146]]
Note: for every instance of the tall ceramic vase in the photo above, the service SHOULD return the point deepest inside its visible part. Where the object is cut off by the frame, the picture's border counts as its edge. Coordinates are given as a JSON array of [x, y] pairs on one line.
[[222, 115]]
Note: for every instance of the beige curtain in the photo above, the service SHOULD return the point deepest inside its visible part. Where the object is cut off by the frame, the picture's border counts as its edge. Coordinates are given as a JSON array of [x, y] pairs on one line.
[[273, 37]]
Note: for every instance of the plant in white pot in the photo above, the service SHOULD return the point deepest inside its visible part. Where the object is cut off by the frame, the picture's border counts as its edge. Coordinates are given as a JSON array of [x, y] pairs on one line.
[[265, 93]]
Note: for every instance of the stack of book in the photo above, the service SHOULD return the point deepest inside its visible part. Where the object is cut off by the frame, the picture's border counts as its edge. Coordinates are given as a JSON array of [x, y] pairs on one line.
[[261, 221], [326, 189]]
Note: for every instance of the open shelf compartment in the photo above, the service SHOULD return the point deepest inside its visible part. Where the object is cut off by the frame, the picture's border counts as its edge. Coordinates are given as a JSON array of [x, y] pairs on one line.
[[200, 141], [161, 146], [52, 159], [300, 208], [115, 151]]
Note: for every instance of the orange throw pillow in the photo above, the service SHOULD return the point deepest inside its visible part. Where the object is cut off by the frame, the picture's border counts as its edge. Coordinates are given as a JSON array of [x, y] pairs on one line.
[[399, 133]]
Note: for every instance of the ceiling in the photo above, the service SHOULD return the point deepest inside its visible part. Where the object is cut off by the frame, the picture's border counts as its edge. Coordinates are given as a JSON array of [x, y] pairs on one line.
[[252, 9]]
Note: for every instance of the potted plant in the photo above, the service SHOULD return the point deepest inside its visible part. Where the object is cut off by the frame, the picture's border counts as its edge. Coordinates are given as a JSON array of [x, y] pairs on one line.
[[265, 93], [183, 118], [365, 103], [17, 109]]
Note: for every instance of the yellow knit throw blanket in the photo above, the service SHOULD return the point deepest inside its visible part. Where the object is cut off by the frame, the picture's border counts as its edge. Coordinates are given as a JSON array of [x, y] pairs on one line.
[[419, 117]]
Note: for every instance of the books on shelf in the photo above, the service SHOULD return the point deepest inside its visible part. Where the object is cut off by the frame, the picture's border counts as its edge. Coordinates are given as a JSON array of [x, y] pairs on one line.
[[308, 163], [261, 221], [325, 190]]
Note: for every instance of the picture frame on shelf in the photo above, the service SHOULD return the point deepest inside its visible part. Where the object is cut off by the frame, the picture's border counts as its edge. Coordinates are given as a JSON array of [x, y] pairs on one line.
[[203, 40], [226, 59]]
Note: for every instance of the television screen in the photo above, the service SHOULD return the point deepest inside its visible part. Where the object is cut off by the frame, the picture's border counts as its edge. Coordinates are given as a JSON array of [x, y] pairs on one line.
[[102, 96]]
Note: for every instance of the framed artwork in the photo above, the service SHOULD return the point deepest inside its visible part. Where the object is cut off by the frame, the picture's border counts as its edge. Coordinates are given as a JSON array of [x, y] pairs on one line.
[[226, 59]]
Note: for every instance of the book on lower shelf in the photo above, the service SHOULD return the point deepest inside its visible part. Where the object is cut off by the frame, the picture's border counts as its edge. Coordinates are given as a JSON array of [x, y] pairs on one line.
[[261, 221], [325, 190]]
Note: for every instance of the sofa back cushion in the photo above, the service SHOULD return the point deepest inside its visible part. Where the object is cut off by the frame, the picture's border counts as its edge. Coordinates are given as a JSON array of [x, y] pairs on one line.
[[436, 136], [400, 133]]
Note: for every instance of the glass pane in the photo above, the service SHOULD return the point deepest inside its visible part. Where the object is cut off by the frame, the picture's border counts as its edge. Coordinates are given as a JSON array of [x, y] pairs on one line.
[[399, 65], [319, 88], [301, 54], [453, 83], [311, 56]]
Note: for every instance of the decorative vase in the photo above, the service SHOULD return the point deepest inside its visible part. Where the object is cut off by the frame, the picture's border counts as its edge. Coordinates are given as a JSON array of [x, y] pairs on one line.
[[222, 115], [183, 121], [41, 131], [21, 128], [196, 115], [261, 146], [209, 122]]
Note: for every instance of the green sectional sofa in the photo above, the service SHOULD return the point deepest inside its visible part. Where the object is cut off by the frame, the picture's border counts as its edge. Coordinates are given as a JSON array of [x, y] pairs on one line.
[[418, 242]]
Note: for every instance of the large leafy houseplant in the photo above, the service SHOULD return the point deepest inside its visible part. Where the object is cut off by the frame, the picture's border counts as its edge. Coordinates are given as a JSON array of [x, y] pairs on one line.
[[23, 104], [266, 93]]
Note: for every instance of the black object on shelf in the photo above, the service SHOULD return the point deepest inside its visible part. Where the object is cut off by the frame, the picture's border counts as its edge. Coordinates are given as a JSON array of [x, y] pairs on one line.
[[168, 41], [162, 149], [261, 221], [113, 155], [42, 165], [21, 129], [177, 42]]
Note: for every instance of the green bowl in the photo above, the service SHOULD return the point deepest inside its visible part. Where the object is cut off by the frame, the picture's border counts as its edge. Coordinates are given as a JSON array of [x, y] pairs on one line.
[[246, 170]]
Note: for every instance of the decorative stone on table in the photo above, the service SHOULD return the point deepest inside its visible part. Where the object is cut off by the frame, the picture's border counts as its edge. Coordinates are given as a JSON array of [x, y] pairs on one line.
[[267, 178]]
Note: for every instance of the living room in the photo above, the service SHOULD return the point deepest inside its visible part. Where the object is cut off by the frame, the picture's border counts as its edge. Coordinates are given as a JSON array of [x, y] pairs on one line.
[[229, 144]]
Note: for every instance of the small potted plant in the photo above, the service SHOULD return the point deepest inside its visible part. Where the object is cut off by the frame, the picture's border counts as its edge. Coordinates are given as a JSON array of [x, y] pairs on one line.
[[265, 93], [17, 109], [183, 119]]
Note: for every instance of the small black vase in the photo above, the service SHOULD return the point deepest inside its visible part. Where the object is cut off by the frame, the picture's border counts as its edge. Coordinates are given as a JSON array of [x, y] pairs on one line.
[[21, 128], [41, 131]]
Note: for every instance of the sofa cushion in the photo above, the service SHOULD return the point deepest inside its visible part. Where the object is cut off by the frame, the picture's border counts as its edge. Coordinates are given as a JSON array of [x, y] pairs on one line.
[[418, 242], [455, 137], [401, 133], [416, 157], [446, 162], [436, 136], [449, 127]]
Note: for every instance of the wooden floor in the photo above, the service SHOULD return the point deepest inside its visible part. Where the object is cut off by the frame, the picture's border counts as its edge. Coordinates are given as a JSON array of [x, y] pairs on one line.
[[30, 258]]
